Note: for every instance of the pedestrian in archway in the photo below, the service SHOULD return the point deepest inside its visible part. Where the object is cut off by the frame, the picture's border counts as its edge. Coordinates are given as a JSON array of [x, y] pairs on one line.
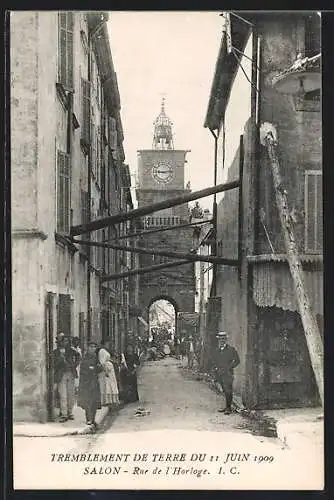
[[190, 352], [89, 389], [129, 365], [224, 361], [183, 348], [177, 347]]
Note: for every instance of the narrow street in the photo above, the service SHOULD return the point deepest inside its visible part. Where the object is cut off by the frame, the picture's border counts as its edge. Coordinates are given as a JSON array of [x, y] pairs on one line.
[[170, 398]]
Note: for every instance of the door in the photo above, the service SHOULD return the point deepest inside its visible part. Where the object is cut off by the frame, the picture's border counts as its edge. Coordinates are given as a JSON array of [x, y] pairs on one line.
[[287, 376], [49, 345]]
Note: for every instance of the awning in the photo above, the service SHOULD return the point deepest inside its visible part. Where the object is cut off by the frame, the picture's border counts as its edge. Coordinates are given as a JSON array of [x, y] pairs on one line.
[[273, 286], [143, 321]]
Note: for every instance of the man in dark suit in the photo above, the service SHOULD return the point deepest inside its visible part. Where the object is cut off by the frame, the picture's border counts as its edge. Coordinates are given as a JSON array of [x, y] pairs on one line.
[[224, 361], [65, 362]]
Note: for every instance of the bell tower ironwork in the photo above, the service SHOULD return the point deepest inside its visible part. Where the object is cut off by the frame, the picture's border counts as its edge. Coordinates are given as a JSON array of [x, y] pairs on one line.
[[163, 132]]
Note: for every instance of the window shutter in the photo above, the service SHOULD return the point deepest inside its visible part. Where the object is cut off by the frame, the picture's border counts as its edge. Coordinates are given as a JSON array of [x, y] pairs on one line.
[[84, 211], [63, 192], [64, 314], [98, 155], [312, 35], [112, 139], [69, 69], [65, 20], [62, 48], [85, 131], [60, 193], [313, 212], [93, 143]]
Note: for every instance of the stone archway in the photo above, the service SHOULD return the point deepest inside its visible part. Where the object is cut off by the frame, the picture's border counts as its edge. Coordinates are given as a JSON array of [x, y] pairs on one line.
[[162, 312]]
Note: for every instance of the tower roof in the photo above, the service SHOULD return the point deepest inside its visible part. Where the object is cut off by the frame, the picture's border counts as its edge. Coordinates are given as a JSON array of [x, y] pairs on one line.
[[163, 133]]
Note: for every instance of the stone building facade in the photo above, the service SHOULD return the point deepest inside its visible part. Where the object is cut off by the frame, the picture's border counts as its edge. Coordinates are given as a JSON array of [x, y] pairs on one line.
[[67, 167], [161, 176], [258, 304]]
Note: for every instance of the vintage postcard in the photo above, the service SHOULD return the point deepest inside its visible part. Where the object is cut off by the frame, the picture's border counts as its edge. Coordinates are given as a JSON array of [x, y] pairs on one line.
[[167, 250]]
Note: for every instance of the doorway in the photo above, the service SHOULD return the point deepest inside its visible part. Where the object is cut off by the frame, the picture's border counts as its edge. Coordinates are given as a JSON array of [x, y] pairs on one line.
[[285, 371]]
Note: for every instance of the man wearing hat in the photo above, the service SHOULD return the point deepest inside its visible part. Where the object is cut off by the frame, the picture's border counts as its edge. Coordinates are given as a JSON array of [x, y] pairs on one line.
[[65, 362], [89, 396], [225, 360]]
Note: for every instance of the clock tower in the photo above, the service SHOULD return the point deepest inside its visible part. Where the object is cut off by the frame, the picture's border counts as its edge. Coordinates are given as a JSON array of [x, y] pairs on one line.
[[161, 177]]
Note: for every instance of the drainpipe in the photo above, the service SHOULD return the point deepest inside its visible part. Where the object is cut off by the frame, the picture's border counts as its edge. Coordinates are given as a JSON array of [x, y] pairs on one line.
[[214, 218]]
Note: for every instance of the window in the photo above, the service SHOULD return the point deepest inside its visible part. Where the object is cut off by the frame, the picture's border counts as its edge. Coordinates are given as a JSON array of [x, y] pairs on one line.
[[312, 47], [94, 149], [112, 138], [313, 212], [85, 216], [104, 252], [65, 30], [98, 89], [312, 35], [98, 155], [104, 174], [85, 130], [63, 192], [309, 45]]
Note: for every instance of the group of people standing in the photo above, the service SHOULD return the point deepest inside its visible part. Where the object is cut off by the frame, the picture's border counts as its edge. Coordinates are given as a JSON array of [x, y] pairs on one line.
[[100, 379]]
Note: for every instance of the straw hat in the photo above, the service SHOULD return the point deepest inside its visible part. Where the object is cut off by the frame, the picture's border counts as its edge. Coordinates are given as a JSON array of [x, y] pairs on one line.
[[222, 335]]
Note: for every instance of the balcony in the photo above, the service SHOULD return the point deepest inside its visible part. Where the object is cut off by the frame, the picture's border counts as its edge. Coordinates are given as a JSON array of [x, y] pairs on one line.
[[150, 222]]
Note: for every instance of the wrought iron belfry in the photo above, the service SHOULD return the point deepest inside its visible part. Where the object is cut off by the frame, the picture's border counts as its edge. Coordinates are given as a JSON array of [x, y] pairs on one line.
[[163, 134]]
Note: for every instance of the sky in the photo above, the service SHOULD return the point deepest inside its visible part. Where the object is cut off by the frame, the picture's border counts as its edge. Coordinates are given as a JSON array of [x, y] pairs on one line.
[[171, 54]]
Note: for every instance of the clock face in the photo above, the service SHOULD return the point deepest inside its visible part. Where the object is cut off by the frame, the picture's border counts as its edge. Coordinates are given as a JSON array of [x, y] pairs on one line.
[[162, 172]]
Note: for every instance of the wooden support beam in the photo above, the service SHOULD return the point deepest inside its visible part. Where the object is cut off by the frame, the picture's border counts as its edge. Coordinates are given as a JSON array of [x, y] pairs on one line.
[[311, 329], [144, 270], [141, 211], [190, 257]]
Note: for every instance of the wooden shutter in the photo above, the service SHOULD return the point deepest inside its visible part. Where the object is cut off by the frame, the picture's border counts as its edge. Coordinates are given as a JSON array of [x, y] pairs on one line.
[[312, 35], [82, 333], [63, 192], [64, 314], [65, 21], [313, 212], [85, 213], [93, 143], [98, 155], [112, 138], [85, 131]]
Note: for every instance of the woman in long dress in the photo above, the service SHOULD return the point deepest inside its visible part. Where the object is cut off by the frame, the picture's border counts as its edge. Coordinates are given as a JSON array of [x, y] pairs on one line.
[[130, 362], [107, 379]]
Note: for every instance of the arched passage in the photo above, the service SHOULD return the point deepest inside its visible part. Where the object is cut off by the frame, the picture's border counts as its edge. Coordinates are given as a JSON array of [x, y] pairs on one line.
[[162, 314]]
